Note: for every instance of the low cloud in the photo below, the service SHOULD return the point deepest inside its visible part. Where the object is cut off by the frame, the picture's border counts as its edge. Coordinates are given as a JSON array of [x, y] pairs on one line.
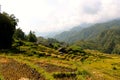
[[56, 15], [91, 7]]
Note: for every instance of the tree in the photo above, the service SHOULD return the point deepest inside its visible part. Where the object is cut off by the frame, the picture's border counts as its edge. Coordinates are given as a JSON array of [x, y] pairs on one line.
[[7, 28], [12, 18], [53, 43], [19, 34], [32, 37]]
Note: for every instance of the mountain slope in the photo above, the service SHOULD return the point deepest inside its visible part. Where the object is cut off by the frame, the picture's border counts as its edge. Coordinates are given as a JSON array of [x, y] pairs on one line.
[[37, 62], [89, 33], [107, 41], [110, 40], [66, 35]]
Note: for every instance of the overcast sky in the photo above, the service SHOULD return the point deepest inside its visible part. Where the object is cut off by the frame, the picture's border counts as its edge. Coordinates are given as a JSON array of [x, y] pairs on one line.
[[55, 15]]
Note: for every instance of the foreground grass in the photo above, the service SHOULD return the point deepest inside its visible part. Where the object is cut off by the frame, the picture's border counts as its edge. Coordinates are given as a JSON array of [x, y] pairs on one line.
[[78, 74], [92, 65], [23, 59], [105, 68], [1, 77]]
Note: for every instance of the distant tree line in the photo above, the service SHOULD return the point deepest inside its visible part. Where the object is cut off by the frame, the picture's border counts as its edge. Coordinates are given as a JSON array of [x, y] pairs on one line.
[[20, 35]]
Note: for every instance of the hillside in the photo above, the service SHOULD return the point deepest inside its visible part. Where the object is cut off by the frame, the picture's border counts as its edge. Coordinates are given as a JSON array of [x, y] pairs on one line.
[[37, 62], [107, 41], [104, 37], [66, 35], [110, 40], [89, 33]]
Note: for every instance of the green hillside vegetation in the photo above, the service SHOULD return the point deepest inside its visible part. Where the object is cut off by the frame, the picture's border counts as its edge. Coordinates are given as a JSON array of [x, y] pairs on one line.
[[51, 43], [102, 36], [65, 35], [110, 41], [89, 33], [37, 62], [107, 41]]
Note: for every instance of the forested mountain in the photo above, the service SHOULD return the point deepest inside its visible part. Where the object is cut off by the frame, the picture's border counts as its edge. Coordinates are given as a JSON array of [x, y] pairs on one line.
[[104, 37], [107, 41], [110, 40], [89, 33], [66, 36]]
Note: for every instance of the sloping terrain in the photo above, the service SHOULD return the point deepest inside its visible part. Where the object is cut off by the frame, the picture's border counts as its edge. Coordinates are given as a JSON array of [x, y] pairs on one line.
[[13, 70], [66, 35], [36, 62], [89, 33], [104, 37], [107, 41]]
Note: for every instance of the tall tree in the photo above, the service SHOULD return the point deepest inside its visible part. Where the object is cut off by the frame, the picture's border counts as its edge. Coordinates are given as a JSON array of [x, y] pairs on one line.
[[7, 28], [32, 37], [19, 34]]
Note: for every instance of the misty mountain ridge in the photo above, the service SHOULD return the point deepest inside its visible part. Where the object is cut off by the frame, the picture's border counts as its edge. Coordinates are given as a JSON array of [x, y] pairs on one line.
[[87, 33], [66, 34], [104, 37], [74, 29], [107, 41]]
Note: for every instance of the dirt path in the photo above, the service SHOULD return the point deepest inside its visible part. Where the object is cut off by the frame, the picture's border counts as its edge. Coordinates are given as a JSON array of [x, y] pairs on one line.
[[13, 70]]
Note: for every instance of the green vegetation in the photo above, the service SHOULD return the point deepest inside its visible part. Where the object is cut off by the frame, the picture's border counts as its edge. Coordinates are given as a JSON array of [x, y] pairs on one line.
[[72, 35], [7, 28], [19, 34], [108, 42], [1, 77], [50, 64], [101, 36], [31, 37], [89, 33]]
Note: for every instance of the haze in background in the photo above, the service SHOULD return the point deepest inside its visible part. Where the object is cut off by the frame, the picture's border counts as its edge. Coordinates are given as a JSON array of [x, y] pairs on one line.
[[49, 16]]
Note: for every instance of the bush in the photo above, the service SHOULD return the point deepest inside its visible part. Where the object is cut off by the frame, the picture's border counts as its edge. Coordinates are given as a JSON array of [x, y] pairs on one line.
[[62, 75], [114, 68]]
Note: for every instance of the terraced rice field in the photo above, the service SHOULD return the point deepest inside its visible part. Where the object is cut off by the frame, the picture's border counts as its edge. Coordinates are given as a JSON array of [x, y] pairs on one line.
[[96, 66]]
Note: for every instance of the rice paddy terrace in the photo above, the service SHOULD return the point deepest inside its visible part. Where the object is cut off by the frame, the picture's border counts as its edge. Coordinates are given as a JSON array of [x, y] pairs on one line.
[[37, 62]]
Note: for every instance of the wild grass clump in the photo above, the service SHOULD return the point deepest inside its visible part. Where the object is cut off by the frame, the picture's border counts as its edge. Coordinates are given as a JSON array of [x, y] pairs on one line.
[[64, 74], [41, 54], [82, 72], [84, 58], [1, 77], [114, 68]]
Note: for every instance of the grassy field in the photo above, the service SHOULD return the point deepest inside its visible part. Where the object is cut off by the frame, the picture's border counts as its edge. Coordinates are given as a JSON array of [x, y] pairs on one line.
[[37, 62]]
